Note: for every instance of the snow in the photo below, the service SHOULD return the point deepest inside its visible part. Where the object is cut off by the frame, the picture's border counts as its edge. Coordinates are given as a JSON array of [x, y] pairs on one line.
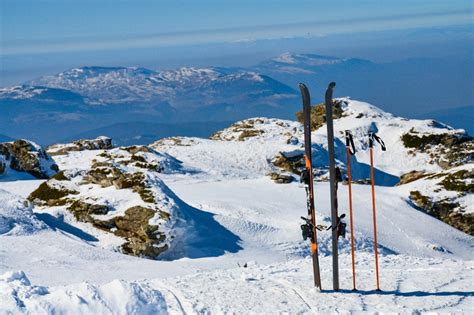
[[265, 217], [238, 246], [16, 216], [21, 92], [116, 297]]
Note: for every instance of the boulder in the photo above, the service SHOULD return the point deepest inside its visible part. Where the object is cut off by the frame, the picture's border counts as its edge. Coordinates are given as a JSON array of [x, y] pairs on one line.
[[411, 176], [27, 156]]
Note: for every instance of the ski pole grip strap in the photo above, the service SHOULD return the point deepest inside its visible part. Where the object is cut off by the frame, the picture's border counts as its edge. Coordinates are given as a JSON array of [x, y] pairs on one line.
[[380, 141], [372, 137], [350, 142]]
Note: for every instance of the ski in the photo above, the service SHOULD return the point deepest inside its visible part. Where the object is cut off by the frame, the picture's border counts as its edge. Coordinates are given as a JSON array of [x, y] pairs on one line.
[[333, 185], [372, 138], [309, 227]]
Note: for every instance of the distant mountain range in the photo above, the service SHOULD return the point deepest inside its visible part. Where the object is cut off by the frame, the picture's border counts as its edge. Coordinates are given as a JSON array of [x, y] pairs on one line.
[[76, 101], [82, 101]]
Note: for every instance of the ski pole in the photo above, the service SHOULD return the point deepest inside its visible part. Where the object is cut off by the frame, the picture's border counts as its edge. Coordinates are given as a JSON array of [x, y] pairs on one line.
[[372, 137], [351, 151]]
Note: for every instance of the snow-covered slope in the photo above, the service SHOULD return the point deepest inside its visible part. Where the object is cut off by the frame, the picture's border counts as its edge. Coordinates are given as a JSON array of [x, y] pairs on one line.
[[238, 245], [432, 276], [252, 144], [16, 216]]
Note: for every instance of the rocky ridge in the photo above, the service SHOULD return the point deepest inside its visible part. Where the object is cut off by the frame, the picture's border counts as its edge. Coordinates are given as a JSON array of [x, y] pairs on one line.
[[116, 191]]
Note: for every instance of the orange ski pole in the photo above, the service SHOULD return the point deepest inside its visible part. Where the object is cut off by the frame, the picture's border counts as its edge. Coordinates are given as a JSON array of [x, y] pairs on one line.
[[372, 137], [349, 152]]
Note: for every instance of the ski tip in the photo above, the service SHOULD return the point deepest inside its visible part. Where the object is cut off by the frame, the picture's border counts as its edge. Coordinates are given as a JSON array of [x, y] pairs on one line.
[[332, 85], [303, 88]]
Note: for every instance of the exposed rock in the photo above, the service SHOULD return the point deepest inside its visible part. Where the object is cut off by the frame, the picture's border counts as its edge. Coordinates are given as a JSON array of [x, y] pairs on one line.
[[142, 237], [49, 194], [293, 164], [411, 176], [60, 176], [461, 181], [174, 141], [134, 149], [3, 165], [446, 149], [244, 129], [83, 211], [128, 168], [318, 114], [27, 156], [100, 143], [446, 211], [249, 134], [281, 178], [106, 175]]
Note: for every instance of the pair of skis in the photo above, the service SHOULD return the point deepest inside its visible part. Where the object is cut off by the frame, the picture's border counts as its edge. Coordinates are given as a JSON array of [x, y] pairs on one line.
[[338, 228], [309, 228]]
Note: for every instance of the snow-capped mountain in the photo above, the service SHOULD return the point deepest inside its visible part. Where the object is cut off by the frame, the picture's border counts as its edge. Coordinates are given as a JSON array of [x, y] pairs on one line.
[[119, 85], [227, 236], [87, 98]]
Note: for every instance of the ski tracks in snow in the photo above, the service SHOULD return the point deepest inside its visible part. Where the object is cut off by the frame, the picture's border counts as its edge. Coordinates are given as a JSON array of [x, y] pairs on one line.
[[175, 300]]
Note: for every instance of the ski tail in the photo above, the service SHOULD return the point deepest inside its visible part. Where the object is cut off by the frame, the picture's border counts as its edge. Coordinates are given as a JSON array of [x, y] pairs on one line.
[[309, 229]]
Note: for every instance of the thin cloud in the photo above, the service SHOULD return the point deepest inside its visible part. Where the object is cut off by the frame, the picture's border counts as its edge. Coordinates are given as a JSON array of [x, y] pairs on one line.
[[239, 34]]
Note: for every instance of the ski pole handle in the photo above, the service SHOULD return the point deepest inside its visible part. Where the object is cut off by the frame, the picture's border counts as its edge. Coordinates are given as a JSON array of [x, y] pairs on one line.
[[350, 142], [372, 137]]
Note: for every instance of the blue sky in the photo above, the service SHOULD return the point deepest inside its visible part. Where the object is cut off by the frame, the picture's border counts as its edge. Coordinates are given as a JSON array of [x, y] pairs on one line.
[[39, 26]]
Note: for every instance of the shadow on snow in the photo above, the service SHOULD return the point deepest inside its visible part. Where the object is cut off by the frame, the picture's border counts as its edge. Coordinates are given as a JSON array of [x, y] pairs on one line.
[[405, 294], [57, 223]]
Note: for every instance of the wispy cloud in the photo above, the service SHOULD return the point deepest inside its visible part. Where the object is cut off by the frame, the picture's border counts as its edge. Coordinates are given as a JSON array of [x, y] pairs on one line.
[[236, 34]]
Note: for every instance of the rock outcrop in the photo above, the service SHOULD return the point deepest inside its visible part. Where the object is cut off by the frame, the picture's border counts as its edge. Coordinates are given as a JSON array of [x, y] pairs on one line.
[[448, 149], [318, 114], [118, 193], [99, 143], [27, 156]]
